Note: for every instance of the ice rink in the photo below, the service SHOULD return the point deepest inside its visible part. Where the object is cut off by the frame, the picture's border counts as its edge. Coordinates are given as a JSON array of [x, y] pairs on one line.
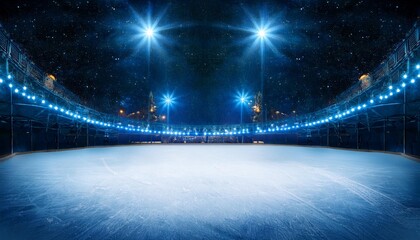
[[209, 192]]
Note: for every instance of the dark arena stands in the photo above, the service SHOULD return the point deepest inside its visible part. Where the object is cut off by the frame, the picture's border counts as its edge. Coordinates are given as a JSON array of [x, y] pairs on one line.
[[348, 170]]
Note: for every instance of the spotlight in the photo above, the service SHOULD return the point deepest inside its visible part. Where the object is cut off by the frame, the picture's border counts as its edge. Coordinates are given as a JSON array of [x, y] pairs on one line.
[[262, 33], [168, 100], [149, 32]]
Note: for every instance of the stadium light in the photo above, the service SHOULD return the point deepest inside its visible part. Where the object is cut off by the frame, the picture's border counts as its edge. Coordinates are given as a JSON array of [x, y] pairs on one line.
[[149, 32], [168, 100], [261, 33]]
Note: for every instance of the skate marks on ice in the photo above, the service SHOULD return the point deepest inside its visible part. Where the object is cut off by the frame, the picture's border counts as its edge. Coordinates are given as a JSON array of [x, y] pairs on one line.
[[381, 204], [217, 197]]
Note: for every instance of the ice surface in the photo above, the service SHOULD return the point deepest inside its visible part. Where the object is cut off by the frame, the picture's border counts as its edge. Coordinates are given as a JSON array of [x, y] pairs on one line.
[[209, 192]]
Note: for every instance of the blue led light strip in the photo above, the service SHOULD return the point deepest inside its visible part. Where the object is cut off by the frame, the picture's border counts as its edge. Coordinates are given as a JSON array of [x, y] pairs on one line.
[[392, 90]]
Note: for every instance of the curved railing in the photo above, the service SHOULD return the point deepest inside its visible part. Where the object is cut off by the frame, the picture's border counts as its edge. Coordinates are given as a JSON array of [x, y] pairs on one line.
[[27, 80]]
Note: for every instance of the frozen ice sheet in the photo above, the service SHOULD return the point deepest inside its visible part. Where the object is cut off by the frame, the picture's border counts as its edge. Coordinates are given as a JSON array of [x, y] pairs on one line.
[[209, 192]]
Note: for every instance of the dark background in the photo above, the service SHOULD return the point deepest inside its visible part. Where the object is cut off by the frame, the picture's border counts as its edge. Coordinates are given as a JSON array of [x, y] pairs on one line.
[[92, 49]]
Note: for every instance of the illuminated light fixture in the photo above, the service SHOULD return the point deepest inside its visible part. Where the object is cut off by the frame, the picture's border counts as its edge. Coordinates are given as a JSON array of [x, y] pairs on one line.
[[16, 90], [418, 66], [262, 33], [398, 90], [149, 32], [43, 101], [55, 108], [381, 97], [405, 76], [9, 76], [403, 85], [168, 100], [390, 87], [1, 80], [24, 88], [359, 107], [29, 97], [364, 105], [371, 101], [10, 85], [23, 94], [352, 109], [50, 106], [391, 93], [413, 80], [61, 110], [33, 97], [386, 97]]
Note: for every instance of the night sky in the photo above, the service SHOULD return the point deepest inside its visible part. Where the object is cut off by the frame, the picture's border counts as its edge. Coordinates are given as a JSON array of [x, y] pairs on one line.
[[204, 56]]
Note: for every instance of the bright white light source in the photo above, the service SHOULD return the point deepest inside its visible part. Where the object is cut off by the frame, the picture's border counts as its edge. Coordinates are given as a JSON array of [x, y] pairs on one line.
[[262, 33], [149, 32]]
